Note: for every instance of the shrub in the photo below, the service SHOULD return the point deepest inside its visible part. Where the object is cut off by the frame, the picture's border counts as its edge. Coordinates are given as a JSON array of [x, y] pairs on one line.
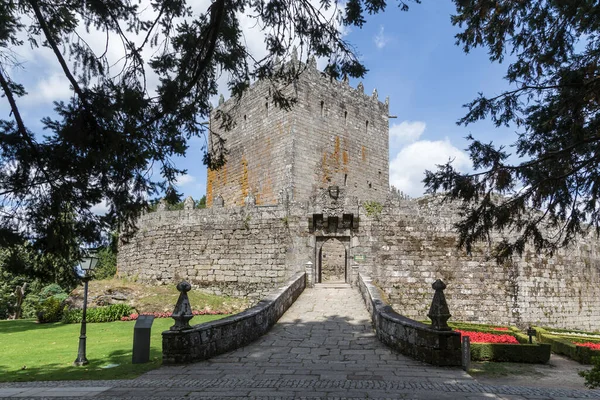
[[50, 310], [111, 313], [51, 290], [566, 347], [592, 377], [519, 353], [373, 208]]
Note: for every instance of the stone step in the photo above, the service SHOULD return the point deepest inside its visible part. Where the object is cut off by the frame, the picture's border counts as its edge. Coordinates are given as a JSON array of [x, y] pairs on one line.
[[333, 285]]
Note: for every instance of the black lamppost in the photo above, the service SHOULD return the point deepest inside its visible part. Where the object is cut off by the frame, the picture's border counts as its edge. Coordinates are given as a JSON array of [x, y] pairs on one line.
[[88, 263]]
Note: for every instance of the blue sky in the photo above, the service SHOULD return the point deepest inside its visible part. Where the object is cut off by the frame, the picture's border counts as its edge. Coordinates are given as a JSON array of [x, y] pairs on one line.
[[411, 57]]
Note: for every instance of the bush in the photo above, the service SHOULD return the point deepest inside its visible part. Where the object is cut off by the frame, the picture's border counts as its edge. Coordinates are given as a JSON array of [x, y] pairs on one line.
[[50, 304], [566, 347], [111, 313], [50, 310], [592, 377], [51, 290]]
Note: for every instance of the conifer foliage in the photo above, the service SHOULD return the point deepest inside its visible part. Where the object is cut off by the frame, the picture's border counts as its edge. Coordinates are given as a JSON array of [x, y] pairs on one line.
[[102, 144], [553, 54]]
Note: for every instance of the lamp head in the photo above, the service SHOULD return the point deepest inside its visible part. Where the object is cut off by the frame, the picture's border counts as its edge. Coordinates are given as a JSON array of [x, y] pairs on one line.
[[89, 261]]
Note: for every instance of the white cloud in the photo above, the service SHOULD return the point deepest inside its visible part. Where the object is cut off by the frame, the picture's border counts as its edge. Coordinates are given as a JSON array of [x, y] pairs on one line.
[[100, 208], [408, 166], [381, 40], [185, 180], [53, 88], [406, 132]]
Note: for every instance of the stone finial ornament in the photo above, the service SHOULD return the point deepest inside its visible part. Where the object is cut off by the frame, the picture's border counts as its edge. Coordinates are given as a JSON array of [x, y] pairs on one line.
[[360, 87], [439, 312], [387, 101], [221, 99], [188, 203], [295, 55], [162, 205], [312, 62], [346, 80], [375, 95], [218, 201], [277, 62], [182, 314]]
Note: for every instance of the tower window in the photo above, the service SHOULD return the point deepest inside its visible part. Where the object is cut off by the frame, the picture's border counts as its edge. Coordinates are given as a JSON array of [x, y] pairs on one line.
[[345, 117], [267, 108], [367, 127], [322, 108]]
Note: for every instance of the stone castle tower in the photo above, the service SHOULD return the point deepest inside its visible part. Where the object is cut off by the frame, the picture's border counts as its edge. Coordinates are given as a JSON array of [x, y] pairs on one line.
[[334, 136]]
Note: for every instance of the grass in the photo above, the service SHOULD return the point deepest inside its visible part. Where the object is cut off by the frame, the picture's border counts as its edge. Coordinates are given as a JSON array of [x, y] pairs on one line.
[[43, 352]]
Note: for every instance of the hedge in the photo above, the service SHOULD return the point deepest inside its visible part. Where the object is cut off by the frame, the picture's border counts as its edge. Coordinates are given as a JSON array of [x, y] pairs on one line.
[[518, 353], [111, 313], [564, 346]]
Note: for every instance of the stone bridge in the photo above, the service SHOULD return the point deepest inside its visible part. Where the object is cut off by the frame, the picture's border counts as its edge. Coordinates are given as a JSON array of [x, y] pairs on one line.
[[322, 347]]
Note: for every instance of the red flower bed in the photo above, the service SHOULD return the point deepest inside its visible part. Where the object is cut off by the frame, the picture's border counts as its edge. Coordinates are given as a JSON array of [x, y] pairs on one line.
[[134, 316], [500, 329], [480, 337], [593, 346]]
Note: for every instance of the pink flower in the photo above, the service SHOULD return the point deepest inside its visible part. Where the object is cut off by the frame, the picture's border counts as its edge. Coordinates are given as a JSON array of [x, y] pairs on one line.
[[591, 345], [480, 337]]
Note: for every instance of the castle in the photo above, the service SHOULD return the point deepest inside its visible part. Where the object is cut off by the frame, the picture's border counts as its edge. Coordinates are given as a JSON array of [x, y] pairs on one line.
[[307, 189]]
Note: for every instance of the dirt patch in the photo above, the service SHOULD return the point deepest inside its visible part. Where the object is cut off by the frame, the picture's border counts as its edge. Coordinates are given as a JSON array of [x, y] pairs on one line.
[[146, 298]]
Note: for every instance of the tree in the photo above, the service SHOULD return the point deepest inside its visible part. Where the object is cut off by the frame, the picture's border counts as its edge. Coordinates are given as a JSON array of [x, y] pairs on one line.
[[553, 49], [201, 203], [102, 144]]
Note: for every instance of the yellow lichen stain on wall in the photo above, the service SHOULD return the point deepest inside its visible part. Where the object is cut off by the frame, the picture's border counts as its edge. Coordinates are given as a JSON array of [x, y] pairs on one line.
[[325, 177], [216, 181], [363, 152], [209, 187], [335, 157], [334, 162], [244, 181]]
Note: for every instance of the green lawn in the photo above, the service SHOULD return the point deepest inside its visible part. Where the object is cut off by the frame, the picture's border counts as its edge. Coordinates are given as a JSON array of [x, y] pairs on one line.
[[42, 352]]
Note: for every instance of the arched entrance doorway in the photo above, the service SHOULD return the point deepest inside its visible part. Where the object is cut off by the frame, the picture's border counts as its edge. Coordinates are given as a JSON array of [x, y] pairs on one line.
[[333, 262]]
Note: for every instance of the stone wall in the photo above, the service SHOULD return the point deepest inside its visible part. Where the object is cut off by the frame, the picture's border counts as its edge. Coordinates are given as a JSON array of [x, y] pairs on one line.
[[207, 340], [237, 251], [409, 337], [247, 251], [335, 135], [412, 243]]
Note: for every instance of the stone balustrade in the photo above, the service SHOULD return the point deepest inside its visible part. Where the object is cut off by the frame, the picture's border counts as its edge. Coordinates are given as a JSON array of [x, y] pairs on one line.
[[409, 337], [207, 340]]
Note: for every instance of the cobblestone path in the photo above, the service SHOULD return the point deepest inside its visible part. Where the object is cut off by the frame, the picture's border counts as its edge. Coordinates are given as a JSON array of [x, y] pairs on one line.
[[323, 347]]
